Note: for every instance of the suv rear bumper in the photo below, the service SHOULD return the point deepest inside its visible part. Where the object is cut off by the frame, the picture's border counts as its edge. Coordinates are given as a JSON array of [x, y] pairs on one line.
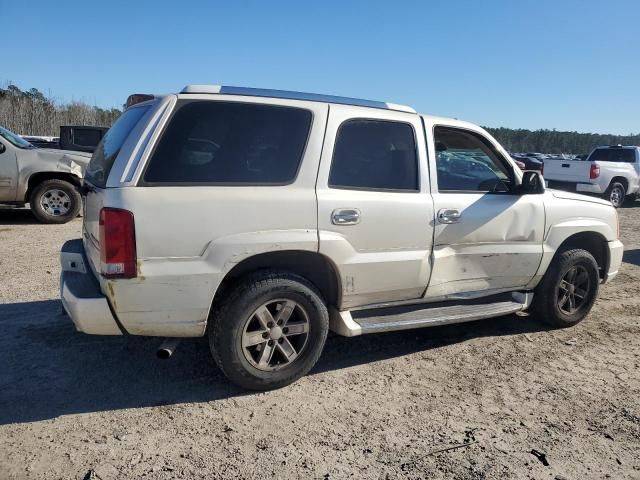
[[80, 293]]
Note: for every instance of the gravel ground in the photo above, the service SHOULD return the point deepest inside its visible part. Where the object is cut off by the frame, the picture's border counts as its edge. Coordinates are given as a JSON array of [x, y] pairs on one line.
[[379, 406]]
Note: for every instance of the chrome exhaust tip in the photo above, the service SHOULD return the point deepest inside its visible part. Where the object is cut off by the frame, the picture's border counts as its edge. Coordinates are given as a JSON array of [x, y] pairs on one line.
[[167, 347]]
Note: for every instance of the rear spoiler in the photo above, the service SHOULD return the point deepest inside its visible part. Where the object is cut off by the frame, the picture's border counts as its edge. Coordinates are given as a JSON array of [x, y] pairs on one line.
[[137, 98]]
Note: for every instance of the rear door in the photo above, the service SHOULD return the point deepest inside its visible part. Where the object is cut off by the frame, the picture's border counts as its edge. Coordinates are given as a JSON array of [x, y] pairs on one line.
[[487, 238], [374, 211]]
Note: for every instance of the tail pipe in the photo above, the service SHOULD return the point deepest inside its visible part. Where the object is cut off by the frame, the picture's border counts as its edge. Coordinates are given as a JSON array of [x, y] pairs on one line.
[[167, 347]]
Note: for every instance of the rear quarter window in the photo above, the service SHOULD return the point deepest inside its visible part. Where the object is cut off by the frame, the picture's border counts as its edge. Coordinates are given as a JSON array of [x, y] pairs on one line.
[[230, 143], [110, 145]]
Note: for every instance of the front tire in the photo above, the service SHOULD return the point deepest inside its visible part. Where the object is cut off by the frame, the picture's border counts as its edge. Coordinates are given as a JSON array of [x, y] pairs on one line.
[[616, 194], [568, 290], [269, 331], [55, 201]]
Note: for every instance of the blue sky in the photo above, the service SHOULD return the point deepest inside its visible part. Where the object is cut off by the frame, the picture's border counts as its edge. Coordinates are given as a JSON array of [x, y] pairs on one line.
[[565, 64]]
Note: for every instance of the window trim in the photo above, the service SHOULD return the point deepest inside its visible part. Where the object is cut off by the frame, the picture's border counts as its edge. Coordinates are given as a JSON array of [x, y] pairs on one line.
[[182, 102], [371, 189], [488, 143]]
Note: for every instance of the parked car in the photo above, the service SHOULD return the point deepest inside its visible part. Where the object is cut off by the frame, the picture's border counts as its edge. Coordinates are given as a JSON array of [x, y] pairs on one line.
[[41, 141], [265, 218], [46, 179], [80, 138], [529, 163], [611, 172]]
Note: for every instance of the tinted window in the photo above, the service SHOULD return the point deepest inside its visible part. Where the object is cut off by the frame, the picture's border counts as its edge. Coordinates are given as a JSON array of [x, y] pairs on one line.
[[230, 143], [625, 155], [375, 155], [465, 161], [86, 137], [110, 145]]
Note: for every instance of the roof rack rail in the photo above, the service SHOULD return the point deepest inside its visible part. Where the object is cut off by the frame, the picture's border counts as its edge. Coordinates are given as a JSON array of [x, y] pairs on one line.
[[313, 97]]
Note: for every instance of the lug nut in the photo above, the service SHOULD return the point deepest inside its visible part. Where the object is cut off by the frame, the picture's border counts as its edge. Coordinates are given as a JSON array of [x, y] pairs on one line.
[[265, 335], [271, 342], [280, 322], [280, 340], [285, 330], [270, 324]]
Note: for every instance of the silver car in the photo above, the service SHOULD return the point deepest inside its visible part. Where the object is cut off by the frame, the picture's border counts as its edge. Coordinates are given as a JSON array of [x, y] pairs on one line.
[[46, 179]]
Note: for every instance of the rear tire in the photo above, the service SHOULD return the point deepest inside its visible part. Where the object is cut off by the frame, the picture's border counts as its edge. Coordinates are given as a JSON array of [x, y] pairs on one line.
[[616, 194], [269, 330], [568, 290], [55, 201]]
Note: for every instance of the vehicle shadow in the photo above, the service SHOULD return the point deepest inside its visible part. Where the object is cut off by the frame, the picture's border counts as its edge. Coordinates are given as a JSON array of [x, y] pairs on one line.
[[632, 256], [631, 204], [17, 216], [51, 370]]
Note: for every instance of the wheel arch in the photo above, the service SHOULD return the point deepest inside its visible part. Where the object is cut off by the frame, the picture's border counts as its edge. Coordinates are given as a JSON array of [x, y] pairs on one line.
[[593, 242], [622, 180], [37, 178], [313, 266]]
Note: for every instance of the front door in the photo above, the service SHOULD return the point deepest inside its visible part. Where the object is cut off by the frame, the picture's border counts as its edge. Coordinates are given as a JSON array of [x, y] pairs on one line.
[[8, 173], [374, 211], [487, 237]]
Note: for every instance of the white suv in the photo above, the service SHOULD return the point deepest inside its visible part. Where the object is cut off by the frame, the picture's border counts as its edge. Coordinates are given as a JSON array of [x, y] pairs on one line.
[[264, 218]]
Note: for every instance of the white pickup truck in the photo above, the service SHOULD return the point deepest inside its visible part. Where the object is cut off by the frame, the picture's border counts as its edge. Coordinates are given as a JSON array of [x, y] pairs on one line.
[[612, 172], [264, 218]]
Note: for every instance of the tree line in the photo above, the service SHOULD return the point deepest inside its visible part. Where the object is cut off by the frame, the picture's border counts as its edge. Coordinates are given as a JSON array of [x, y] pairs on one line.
[[552, 141], [30, 112]]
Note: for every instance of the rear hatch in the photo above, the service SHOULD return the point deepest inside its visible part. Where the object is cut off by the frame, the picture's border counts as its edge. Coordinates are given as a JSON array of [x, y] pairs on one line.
[[575, 171], [97, 174]]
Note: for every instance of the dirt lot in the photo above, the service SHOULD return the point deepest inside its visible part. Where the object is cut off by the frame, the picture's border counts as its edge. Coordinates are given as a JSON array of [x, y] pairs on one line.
[[76, 406]]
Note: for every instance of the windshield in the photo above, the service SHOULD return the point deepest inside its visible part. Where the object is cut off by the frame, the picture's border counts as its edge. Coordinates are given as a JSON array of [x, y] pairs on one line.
[[14, 139], [110, 145]]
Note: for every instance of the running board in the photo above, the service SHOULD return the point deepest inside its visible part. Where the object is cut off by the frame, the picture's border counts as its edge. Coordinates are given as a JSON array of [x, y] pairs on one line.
[[351, 324]]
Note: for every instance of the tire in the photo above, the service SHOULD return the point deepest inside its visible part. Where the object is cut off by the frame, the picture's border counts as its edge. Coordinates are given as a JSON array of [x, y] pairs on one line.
[[55, 201], [245, 341], [550, 302], [616, 194]]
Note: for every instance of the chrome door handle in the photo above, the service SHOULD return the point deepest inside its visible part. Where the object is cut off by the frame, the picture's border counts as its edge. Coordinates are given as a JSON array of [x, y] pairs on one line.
[[449, 215], [345, 216]]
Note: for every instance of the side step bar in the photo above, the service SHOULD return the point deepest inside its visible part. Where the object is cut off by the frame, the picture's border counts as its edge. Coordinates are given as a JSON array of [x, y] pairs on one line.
[[351, 324]]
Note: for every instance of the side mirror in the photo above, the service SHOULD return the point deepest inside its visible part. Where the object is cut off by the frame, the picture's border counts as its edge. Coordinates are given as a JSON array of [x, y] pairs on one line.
[[532, 183], [2, 147]]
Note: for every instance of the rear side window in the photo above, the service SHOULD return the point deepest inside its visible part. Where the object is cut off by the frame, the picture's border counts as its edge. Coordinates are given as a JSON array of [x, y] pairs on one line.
[[110, 145], [624, 155], [230, 143], [375, 155]]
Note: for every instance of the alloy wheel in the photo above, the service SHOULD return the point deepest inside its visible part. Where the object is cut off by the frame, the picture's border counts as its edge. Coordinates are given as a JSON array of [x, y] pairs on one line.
[[55, 202], [275, 334], [573, 290]]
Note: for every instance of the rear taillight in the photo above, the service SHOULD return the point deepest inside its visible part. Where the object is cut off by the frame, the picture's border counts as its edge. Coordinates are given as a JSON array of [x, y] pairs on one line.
[[117, 243], [542, 169], [595, 171]]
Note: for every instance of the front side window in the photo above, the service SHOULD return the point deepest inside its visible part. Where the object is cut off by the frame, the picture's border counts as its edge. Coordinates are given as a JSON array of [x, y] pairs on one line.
[[375, 155], [465, 161], [230, 143]]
